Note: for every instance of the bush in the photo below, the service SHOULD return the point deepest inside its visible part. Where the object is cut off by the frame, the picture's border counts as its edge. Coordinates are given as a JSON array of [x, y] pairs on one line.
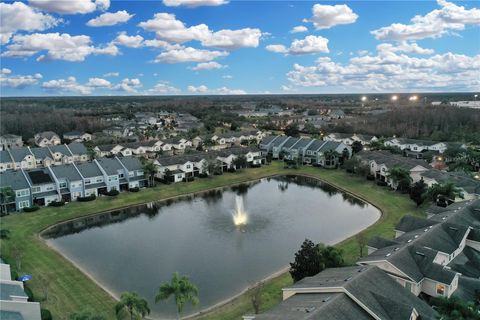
[[113, 193], [370, 177], [203, 175], [136, 189], [86, 199], [57, 203], [382, 183], [45, 314], [28, 292], [32, 208]]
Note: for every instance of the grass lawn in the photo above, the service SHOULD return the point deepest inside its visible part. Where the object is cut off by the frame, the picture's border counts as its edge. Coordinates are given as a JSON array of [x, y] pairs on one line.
[[71, 291]]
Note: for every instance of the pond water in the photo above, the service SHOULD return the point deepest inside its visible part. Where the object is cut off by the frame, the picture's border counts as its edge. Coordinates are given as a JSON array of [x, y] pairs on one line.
[[139, 248]]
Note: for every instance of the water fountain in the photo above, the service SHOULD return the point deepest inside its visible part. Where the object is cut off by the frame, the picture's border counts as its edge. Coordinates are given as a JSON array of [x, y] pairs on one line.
[[239, 216]]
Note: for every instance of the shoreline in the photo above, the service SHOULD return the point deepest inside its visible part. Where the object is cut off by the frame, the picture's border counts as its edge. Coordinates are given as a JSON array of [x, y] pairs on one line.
[[228, 300]]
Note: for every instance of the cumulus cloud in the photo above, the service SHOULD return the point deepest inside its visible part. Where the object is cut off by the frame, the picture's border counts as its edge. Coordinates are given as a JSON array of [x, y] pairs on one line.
[[193, 3], [56, 47], [67, 85], [112, 74], [390, 71], [128, 41], [308, 45], [168, 28], [98, 83], [432, 25], [404, 46], [327, 16], [208, 66], [17, 81], [188, 54], [163, 87], [199, 89], [299, 29], [110, 19], [129, 85], [227, 76], [70, 7], [18, 16]]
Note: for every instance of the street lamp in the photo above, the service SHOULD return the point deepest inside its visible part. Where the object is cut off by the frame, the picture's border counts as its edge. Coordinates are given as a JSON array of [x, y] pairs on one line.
[[364, 98], [413, 98], [394, 98]]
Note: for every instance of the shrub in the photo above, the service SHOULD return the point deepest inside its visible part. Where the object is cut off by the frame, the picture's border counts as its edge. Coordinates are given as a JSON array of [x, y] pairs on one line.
[[370, 177], [382, 183], [32, 208], [136, 189], [88, 198], [45, 314], [28, 292], [113, 193], [57, 203], [203, 175]]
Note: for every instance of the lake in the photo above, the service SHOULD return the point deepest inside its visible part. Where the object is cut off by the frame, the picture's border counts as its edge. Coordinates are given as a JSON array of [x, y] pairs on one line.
[[138, 248]]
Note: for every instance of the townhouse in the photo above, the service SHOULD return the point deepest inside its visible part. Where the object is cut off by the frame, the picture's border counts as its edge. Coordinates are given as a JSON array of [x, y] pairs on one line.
[[420, 149], [77, 136], [29, 158], [43, 187], [236, 138], [470, 187], [46, 138], [349, 139], [14, 304], [349, 293], [10, 141]]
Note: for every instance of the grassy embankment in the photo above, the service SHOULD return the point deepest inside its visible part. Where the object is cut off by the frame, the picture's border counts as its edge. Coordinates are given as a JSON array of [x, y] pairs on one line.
[[71, 290]]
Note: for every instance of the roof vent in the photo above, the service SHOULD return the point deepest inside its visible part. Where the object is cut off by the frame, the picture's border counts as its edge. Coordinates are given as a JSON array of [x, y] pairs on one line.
[[416, 236], [409, 240], [425, 230], [388, 254], [396, 249], [452, 228], [326, 299], [309, 309], [420, 253], [444, 218], [348, 279], [430, 227]]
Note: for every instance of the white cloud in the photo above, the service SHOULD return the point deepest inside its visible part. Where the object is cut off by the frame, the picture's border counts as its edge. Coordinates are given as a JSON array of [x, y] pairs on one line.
[[188, 54], [98, 83], [193, 3], [208, 66], [18, 16], [70, 7], [228, 91], [326, 16], [163, 87], [129, 85], [308, 45], [404, 47], [17, 81], [432, 25], [67, 85], [110, 19], [57, 46], [128, 41], [299, 29], [389, 71], [111, 74], [199, 89], [227, 76], [168, 28]]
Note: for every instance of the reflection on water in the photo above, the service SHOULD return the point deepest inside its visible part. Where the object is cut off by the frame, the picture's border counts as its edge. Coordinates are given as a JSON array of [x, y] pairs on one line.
[[138, 248]]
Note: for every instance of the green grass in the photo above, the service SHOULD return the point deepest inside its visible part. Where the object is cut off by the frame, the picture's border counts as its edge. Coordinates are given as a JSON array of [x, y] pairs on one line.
[[71, 290]]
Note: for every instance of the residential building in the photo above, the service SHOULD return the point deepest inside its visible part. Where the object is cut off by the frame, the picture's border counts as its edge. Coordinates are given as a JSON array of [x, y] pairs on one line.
[[43, 186], [470, 187], [417, 148], [47, 138], [19, 187], [77, 136], [68, 180], [93, 178], [10, 141]]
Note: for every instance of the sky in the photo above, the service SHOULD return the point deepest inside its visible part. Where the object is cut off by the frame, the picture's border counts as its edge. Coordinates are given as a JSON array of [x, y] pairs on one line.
[[189, 47]]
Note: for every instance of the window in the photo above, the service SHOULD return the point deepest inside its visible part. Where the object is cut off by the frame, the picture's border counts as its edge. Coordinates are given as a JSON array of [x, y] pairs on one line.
[[440, 289], [87, 181], [24, 204], [99, 180], [22, 193], [62, 185], [49, 188], [122, 175], [36, 189], [130, 173]]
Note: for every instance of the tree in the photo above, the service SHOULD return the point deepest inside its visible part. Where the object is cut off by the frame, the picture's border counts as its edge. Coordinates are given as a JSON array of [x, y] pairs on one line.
[[331, 157], [351, 165], [292, 130], [454, 308], [312, 259], [181, 289], [150, 168], [240, 162], [443, 194], [362, 242], [400, 178], [131, 302], [256, 297], [86, 315], [357, 147], [7, 195], [417, 192]]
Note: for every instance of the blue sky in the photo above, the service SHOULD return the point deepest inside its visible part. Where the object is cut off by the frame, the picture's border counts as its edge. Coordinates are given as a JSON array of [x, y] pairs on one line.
[[237, 47]]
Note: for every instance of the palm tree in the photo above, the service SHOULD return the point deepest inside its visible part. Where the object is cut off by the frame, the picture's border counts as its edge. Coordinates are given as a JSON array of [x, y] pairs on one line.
[[400, 178], [134, 304], [446, 192], [150, 168], [330, 157], [7, 195], [182, 291]]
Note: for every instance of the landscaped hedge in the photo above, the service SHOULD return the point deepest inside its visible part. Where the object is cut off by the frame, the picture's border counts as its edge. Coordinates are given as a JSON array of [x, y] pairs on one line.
[[113, 193], [136, 189], [382, 183], [57, 203], [88, 198], [45, 314], [370, 177], [31, 209], [203, 175]]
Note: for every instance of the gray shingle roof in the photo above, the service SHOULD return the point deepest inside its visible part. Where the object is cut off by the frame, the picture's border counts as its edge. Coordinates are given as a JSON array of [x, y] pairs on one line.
[[14, 179], [467, 183], [316, 145], [77, 148], [7, 290], [110, 165], [410, 223], [41, 153], [131, 163], [61, 148], [66, 171], [19, 154], [5, 156], [89, 169]]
